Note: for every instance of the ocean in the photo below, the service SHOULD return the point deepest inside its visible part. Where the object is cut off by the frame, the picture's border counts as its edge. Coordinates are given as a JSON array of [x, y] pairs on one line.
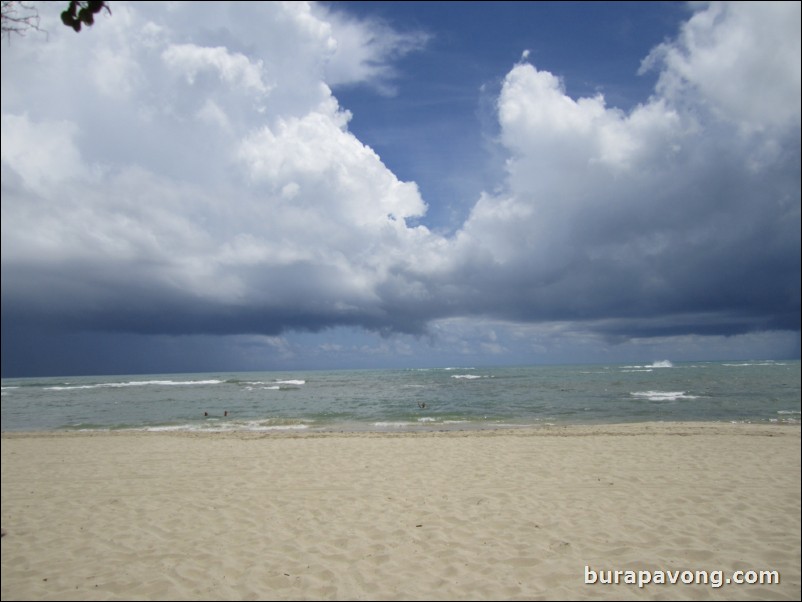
[[410, 399]]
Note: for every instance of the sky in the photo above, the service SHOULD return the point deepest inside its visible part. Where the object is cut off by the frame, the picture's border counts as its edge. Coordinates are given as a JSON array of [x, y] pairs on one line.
[[214, 186]]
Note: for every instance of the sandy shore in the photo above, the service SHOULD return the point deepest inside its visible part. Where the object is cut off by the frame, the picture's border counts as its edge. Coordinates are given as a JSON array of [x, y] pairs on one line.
[[479, 515]]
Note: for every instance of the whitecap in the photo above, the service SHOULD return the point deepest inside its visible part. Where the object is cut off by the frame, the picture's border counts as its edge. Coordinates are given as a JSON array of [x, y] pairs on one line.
[[135, 383], [756, 363], [169, 383], [70, 387], [662, 395]]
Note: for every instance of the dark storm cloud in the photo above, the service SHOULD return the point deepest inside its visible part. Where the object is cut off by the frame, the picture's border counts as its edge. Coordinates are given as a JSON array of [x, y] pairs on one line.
[[187, 188]]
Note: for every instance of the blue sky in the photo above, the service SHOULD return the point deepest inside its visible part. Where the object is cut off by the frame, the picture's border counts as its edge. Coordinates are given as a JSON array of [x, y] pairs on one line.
[[438, 125], [256, 186]]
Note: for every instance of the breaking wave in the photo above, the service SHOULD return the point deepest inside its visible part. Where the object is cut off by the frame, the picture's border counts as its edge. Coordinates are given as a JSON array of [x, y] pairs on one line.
[[662, 395]]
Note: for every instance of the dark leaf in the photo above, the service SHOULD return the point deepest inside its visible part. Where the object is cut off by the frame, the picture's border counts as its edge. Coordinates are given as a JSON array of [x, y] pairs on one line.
[[86, 16]]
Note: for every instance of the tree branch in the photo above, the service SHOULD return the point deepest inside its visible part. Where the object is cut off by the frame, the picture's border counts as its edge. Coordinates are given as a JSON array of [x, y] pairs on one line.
[[18, 17]]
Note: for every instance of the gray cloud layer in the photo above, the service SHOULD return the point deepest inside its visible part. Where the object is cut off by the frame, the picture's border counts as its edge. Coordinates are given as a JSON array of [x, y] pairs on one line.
[[198, 176]]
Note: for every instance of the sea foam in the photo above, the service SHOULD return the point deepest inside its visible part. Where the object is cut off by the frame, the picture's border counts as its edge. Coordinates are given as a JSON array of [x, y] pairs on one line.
[[135, 383], [662, 395]]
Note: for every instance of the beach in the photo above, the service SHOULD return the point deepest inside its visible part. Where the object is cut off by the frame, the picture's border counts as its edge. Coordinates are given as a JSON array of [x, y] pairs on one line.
[[531, 513]]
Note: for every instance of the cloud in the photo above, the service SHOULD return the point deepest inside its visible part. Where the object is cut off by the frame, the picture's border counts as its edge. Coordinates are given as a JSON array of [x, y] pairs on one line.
[[741, 59], [197, 176], [664, 219], [364, 52], [43, 154], [234, 69], [223, 205]]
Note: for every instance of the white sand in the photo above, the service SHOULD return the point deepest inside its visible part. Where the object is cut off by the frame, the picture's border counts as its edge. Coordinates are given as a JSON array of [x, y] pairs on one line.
[[478, 515]]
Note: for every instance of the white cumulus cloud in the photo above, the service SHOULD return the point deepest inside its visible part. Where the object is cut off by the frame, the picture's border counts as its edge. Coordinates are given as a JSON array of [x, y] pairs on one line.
[[199, 176], [741, 58]]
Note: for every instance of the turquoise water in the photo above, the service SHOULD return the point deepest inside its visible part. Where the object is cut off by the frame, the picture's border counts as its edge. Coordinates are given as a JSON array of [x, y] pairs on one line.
[[404, 400]]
